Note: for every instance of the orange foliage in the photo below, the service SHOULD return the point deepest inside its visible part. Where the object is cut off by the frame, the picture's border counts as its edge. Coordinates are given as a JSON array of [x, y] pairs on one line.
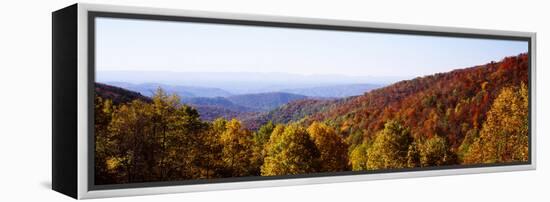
[[436, 104]]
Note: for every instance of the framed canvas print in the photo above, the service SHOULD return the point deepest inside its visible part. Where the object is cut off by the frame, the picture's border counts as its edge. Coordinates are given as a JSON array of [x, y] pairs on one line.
[[150, 101]]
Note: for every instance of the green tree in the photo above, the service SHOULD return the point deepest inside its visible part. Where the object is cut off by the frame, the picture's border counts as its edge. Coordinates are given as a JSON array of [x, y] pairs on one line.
[[390, 147], [183, 144], [332, 148], [264, 133], [471, 136], [290, 150], [261, 138]]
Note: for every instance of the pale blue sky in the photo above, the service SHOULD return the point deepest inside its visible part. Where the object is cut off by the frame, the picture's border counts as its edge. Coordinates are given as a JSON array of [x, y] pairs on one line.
[[147, 45]]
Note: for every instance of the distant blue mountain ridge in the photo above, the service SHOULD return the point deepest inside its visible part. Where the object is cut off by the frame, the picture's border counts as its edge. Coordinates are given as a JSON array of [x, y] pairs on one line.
[[321, 91], [217, 102], [237, 83], [148, 89]]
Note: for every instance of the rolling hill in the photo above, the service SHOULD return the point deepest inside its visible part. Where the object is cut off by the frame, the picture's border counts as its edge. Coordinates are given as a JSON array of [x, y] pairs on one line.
[[117, 94], [216, 102], [241, 106], [148, 89], [252, 107], [210, 113], [264, 101], [293, 111], [449, 104]]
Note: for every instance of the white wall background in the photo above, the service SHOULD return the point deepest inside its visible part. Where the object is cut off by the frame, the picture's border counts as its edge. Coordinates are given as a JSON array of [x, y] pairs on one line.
[[25, 98]]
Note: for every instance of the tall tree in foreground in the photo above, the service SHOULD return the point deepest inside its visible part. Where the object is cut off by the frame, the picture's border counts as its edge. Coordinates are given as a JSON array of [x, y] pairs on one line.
[[504, 135], [413, 155], [264, 133], [237, 148], [103, 144], [261, 138], [359, 157], [166, 118], [183, 144], [290, 151], [151, 141], [332, 148], [131, 129], [435, 152], [390, 147], [210, 156]]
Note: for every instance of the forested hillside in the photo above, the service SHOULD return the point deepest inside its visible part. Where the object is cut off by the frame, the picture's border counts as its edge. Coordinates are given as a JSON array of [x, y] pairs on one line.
[[118, 95], [474, 115], [148, 89], [445, 104], [294, 111], [334, 91], [264, 101]]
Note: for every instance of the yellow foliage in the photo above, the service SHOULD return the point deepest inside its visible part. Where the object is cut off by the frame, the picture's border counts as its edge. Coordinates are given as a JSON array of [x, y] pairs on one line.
[[113, 163], [359, 157], [504, 135], [434, 152], [390, 147], [331, 146], [237, 152], [290, 151]]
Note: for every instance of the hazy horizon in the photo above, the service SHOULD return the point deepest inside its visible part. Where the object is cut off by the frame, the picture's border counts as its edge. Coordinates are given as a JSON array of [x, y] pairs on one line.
[[238, 82], [381, 79]]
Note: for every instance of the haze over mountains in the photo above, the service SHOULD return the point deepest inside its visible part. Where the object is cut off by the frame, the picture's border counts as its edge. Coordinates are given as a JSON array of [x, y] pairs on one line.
[[148, 89], [248, 82], [242, 95], [216, 102], [323, 91]]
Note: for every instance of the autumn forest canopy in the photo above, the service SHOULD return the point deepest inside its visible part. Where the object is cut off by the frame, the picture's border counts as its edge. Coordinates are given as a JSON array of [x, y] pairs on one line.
[[471, 116]]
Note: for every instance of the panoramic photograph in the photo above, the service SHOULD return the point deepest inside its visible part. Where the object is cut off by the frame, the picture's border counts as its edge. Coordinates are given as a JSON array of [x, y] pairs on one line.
[[180, 101]]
